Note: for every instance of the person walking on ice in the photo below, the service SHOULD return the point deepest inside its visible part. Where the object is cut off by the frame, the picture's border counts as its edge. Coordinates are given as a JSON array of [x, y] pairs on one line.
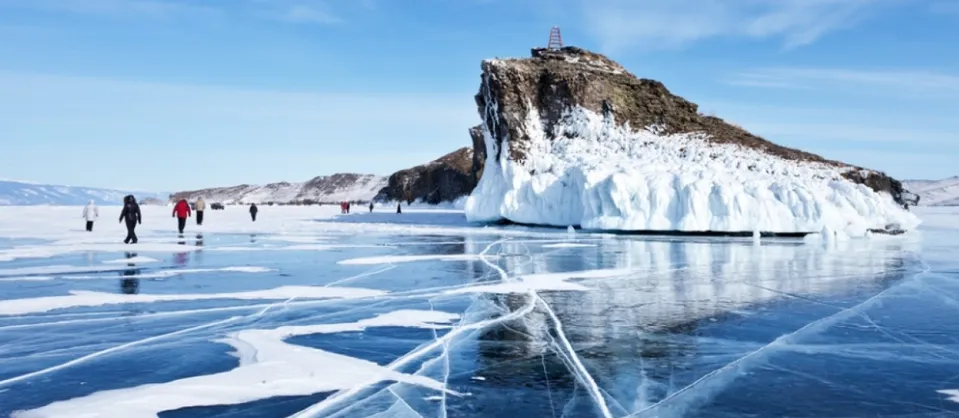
[[131, 214], [253, 211], [181, 211], [90, 213], [200, 207]]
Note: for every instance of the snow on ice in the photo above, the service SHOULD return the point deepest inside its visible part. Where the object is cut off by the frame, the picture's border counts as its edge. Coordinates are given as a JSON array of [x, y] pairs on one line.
[[605, 177], [268, 367]]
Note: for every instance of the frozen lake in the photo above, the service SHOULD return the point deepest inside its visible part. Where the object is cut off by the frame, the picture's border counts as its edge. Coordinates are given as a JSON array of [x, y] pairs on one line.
[[306, 313]]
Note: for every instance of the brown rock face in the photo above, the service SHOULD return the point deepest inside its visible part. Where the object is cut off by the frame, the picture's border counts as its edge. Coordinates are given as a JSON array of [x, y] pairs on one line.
[[555, 80], [445, 179], [442, 180]]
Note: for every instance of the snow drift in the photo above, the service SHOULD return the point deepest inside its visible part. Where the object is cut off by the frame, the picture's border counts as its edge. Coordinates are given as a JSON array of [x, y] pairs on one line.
[[561, 149]]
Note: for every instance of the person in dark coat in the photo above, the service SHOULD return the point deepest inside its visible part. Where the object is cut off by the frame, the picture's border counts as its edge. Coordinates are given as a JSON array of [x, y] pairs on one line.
[[131, 214], [398, 210], [253, 211], [371, 207], [182, 211]]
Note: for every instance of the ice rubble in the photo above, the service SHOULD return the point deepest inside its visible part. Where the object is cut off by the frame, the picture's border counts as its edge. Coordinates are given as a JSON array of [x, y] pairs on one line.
[[602, 176]]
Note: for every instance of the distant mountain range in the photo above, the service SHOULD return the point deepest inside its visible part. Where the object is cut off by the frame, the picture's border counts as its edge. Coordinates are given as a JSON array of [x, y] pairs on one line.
[[943, 192], [323, 189], [21, 193]]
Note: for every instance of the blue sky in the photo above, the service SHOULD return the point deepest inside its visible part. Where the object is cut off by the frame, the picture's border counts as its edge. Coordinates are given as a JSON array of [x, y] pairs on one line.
[[176, 94]]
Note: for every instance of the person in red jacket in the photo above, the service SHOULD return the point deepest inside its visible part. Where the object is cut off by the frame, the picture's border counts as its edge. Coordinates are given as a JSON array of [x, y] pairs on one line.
[[181, 211]]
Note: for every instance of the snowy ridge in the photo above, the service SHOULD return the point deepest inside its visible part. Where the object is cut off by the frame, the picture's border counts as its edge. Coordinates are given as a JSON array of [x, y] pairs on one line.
[[943, 192], [20, 193], [607, 177], [333, 188]]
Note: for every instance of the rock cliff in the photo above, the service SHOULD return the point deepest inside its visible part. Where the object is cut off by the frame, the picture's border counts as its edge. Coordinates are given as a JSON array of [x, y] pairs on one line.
[[556, 80], [445, 179], [574, 138]]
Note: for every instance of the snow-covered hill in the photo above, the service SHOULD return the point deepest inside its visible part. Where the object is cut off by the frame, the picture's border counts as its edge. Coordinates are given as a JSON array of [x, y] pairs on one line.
[[572, 138], [327, 189], [21, 193], [943, 192]]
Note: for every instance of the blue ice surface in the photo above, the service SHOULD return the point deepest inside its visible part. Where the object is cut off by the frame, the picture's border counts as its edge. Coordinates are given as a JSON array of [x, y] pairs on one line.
[[703, 327]]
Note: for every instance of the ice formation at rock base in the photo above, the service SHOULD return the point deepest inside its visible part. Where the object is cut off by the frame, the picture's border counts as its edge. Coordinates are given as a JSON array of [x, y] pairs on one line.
[[599, 175]]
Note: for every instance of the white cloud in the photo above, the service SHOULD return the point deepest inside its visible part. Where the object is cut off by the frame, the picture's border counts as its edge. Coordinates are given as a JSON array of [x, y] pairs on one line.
[[844, 132], [655, 24], [830, 127], [829, 77], [311, 14], [297, 11]]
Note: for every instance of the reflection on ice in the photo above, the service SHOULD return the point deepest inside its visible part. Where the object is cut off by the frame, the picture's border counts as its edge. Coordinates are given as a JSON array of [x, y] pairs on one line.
[[676, 282], [667, 287], [132, 259], [46, 251]]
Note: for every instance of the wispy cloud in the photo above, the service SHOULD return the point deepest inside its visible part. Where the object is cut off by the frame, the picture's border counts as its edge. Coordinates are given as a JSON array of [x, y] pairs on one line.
[[944, 7], [298, 11], [112, 8], [655, 24], [913, 80], [848, 126], [310, 14], [296, 134], [891, 140], [852, 133]]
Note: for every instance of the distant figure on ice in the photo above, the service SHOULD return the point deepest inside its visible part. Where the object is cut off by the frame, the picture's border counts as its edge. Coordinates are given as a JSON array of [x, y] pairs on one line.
[[348, 207], [371, 207], [200, 207], [253, 211], [90, 213], [131, 214], [181, 211], [342, 207], [398, 210]]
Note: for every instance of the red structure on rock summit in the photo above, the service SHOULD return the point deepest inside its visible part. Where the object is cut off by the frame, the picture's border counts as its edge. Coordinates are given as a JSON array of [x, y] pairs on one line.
[[555, 39]]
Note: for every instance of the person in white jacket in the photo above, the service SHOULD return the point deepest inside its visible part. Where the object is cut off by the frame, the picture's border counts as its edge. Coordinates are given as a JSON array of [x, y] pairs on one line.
[[90, 213], [200, 207]]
